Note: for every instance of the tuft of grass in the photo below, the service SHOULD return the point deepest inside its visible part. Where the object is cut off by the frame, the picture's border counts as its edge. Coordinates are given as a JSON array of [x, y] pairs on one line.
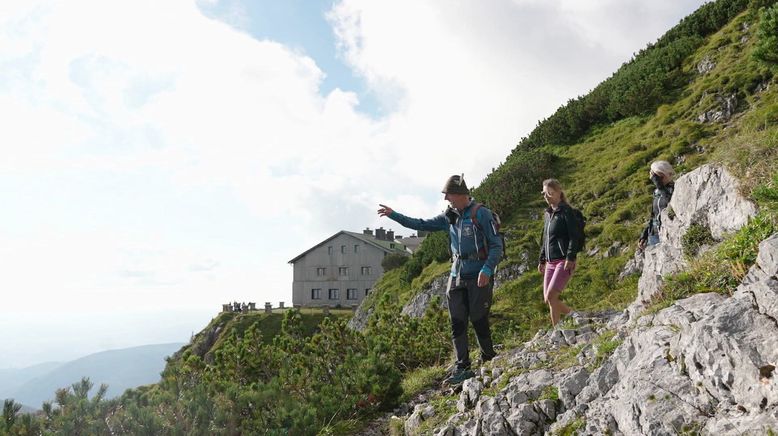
[[549, 392], [419, 380], [767, 194], [445, 406], [705, 274], [573, 427], [345, 426], [565, 357], [696, 236], [604, 345], [743, 246]]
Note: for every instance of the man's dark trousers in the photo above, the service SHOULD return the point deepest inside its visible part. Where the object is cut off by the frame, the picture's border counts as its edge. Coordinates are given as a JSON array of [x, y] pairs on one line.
[[467, 300]]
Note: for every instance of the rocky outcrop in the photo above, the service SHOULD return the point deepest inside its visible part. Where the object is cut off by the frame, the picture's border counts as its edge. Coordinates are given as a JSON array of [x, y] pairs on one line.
[[359, 321], [706, 365], [707, 197], [421, 301], [705, 66], [726, 106], [519, 393], [633, 266]]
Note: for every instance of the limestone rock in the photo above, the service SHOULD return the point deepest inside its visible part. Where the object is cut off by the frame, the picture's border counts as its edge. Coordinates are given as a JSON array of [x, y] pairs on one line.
[[705, 66], [471, 391], [707, 196], [420, 413], [727, 105], [706, 364], [419, 303], [633, 266]]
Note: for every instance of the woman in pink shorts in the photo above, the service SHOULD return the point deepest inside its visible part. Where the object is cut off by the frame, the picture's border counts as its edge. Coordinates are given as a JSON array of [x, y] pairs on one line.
[[559, 248]]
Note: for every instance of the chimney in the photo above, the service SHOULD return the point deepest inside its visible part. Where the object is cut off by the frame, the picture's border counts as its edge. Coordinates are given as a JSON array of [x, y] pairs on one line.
[[380, 234], [390, 235], [367, 231]]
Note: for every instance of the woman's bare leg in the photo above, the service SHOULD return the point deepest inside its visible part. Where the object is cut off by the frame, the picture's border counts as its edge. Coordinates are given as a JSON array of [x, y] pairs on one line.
[[557, 308]]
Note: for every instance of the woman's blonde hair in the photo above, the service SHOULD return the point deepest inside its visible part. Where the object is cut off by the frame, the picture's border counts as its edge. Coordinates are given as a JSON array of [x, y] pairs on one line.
[[664, 167], [556, 186]]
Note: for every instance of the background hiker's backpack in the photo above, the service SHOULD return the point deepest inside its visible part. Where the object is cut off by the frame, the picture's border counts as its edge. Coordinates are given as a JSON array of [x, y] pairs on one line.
[[482, 251], [581, 223]]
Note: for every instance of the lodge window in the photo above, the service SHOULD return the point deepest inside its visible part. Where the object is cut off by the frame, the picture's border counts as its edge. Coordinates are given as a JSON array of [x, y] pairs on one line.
[[316, 294], [329, 249], [334, 294], [365, 270], [343, 249], [351, 294], [343, 271], [321, 271], [356, 248]]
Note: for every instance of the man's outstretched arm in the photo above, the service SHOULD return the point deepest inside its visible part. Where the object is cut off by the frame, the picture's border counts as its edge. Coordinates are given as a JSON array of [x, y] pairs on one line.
[[437, 223]]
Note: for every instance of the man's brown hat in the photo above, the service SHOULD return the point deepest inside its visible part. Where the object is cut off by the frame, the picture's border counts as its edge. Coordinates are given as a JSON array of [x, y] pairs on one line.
[[456, 185]]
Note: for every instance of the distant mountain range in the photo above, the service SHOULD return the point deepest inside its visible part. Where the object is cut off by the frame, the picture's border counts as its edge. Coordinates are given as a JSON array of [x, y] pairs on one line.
[[119, 369]]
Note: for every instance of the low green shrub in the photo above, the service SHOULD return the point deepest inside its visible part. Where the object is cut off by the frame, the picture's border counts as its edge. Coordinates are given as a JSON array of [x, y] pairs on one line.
[[393, 261], [695, 237]]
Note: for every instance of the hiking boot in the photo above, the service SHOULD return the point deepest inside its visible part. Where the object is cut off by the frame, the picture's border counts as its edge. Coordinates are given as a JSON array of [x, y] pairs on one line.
[[459, 376], [484, 359]]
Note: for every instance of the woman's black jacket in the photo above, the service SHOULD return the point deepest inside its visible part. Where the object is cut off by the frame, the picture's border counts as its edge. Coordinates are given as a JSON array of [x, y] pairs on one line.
[[561, 234], [662, 197]]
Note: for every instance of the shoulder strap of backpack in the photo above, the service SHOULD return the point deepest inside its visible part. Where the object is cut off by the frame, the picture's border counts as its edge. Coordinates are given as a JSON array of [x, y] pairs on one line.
[[474, 213]]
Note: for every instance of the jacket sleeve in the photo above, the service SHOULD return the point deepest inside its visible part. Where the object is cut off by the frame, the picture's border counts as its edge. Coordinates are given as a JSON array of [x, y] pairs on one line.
[[644, 233], [437, 223], [542, 257], [573, 234], [493, 241]]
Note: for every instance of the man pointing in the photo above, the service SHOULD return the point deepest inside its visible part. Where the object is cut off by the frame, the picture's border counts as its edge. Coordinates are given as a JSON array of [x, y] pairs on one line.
[[476, 249]]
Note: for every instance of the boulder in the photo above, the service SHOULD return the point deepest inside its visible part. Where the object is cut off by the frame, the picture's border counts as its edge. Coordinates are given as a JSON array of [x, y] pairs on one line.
[[706, 364], [705, 66], [421, 301], [420, 413], [708, 196]]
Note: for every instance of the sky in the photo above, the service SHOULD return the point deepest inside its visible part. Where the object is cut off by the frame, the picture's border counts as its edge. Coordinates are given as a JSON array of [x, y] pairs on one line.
[[158, 159]]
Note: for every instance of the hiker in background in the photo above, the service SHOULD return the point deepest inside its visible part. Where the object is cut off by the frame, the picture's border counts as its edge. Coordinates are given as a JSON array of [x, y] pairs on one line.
[[661, 175], [559, 248], [476, 249]]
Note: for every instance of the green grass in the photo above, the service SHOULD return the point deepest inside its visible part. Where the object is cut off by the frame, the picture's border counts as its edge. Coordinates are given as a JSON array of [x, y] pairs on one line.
[[695, 237], [444, 406], [572, 428], [549, 392], [605, 344], [421, 379], [270, 325]]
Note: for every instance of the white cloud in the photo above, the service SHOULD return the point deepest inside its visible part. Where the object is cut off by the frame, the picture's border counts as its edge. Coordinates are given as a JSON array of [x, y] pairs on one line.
[[152, 156]]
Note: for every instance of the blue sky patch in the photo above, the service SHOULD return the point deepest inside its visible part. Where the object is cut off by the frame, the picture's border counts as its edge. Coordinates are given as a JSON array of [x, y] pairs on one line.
[[301, 25]]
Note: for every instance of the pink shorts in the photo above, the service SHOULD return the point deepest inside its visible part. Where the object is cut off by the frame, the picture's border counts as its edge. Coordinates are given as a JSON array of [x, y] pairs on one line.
[[555, 279]]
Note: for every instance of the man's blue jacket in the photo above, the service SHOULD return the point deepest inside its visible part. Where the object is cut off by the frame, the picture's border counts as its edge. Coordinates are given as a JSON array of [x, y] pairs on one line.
[[467, 238]]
